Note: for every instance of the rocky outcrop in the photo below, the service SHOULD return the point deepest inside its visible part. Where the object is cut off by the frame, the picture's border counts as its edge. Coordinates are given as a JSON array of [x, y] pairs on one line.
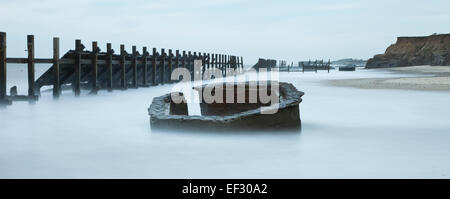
[[412, 51]]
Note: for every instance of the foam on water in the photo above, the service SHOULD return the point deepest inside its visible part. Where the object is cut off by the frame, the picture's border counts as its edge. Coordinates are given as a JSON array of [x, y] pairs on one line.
[[347, 133]]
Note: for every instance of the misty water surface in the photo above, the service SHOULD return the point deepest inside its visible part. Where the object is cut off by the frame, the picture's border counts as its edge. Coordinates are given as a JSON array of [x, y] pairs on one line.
[[347, 133]]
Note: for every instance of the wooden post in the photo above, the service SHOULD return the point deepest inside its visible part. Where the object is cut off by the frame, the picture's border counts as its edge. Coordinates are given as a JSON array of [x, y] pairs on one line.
[[328, 66], [109, 83], [190, 65], [205, 63], [95, 52], [154, 66], [170, 65], [242, 63], [30, 48], [315, 64], [216, 61], [56, 80], [238, 70], [163, 65], [193, 65], [144, 65], [134, 64], [183, 59], [208, 55], [222, 64], [123, 71], [77, 75], [177, 59], [3, 96], [219, 63]]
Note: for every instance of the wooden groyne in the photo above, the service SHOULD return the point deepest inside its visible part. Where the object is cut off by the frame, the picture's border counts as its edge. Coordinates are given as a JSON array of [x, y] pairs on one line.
[[95, 70], [315, 66]]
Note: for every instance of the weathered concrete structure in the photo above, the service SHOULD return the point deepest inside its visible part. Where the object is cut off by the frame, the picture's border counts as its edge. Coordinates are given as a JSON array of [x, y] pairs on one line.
[[165, 114], [265, 63]]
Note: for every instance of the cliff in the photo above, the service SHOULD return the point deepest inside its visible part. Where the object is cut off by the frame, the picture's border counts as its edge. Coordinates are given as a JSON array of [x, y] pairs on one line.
[[411, 51]]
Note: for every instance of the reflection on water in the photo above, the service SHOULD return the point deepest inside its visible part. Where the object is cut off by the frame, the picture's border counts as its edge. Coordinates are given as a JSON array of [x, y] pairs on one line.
[[346, 133]]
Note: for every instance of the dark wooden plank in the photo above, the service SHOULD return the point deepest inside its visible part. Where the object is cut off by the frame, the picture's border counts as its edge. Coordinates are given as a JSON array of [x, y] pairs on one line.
[[144, 66], [3, 72], [177, 59], [109, 50], [56, 73], [184, 59], [123, 78], [134, 65], [77, 69], [154, 55], [169, 62], [95, 51], [31, 72], [205, 58], [163, 65]]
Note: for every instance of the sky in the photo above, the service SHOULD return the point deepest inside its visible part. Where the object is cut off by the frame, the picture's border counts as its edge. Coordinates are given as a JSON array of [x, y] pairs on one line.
[[291, 30]]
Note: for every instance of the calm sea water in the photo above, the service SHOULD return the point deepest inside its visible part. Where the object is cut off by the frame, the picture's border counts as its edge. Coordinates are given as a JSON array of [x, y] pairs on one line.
[[347, 133]]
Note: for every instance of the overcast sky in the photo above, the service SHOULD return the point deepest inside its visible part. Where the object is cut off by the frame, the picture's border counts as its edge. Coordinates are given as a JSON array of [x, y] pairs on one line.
[[291, 29]]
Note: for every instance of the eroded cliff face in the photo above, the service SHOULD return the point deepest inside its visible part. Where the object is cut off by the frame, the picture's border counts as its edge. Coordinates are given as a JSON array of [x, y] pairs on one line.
[[411, 51]]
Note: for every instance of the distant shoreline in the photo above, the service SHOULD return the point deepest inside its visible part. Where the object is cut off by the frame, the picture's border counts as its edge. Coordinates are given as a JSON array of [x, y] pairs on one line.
[[438, 81]]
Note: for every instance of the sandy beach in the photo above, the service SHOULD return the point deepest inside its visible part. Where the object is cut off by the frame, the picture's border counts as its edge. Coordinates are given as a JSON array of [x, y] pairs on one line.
[[429, 78]]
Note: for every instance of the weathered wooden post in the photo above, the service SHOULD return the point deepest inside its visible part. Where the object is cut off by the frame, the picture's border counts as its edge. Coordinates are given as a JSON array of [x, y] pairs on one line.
[[315, 64], [163, 65], [205, 63], [238, 70], [154, 55], [170, 65], [56, 79], [30, 49], [144, 65], [193, 66], [177, 59], [219, 63], [208, 63], [328, 66], [184, 59], [226, 57], [225, 64], [242, 63], [95, 51], [134, 64], [110, 52], [222, 64], [77, 78], [3, 94], [213, 61], [123, 71], [190, 65]]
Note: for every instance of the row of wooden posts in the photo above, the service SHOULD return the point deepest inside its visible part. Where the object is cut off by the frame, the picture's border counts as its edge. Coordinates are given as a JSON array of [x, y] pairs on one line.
[[316, 65], [79, 63], [306, 66]]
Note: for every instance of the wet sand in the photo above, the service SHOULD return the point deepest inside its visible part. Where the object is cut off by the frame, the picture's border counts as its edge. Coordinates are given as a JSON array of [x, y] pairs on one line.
[[430, 78]]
